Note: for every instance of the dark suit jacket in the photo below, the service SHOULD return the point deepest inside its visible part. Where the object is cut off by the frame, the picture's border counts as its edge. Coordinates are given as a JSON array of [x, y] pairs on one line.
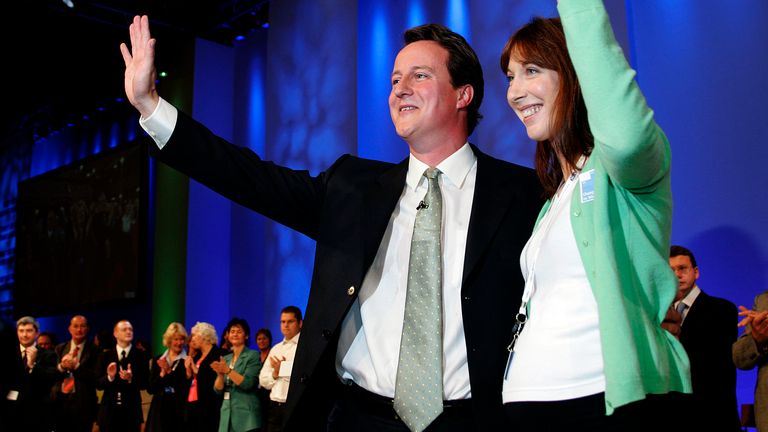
[[708, 333], [125, 409], [169, 398], [83, 401], [346, 210], [34, 406], [204, 414]]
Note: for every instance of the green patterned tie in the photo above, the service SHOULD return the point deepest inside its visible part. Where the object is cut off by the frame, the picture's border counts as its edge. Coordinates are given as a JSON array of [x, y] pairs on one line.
[[419, 385]]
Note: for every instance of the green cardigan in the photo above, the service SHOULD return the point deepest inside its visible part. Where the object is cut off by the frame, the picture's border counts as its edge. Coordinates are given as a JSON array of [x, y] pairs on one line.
[[242, 412], [623, 230]]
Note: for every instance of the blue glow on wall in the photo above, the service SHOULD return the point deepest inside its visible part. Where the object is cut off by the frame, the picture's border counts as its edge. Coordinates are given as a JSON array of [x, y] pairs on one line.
[[415, 14], [457, 18], [377, 43]]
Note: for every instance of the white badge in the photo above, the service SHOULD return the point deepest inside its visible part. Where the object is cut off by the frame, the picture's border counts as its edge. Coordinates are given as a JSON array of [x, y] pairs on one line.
[[226, 395], [587, 186]]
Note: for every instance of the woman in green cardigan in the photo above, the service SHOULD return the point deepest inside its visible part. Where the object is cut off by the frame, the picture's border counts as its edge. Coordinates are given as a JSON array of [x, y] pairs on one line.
[[238, 379], [588, 347]]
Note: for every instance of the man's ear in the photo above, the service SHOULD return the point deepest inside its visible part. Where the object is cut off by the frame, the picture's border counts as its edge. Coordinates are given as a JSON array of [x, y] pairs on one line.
[[465, 95]]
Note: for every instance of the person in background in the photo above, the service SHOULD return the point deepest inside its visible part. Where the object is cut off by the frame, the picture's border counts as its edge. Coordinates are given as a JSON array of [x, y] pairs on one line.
[[750, 351], [122, 373], [237, 378], [203, 403], [264, 344], [32, 407], [46, 341], [168, 383], [76, 402], [276, 374], [224, 344], [589, 352], [11, 370], [707, 331]]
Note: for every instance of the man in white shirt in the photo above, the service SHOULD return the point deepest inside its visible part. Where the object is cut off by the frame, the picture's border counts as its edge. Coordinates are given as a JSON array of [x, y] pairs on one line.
[[362, 213], [276, 372]]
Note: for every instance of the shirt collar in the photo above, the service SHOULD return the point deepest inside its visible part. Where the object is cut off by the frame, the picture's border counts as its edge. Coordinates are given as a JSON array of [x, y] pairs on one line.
[[120, 350], [691, 296], [293, 340], [454, 168]]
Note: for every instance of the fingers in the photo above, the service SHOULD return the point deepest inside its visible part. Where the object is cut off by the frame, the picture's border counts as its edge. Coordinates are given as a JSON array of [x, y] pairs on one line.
[[127, 58]]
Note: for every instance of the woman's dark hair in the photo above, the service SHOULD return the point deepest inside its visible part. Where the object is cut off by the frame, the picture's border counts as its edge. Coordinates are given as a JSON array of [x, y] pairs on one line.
[[243, 324], [542, 42], [265, 332], [463, 64]]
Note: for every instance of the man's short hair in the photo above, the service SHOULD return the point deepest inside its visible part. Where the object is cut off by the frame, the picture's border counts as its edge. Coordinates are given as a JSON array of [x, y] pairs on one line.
[[463, 64], [676, 250], [292, 310], [28, 320]]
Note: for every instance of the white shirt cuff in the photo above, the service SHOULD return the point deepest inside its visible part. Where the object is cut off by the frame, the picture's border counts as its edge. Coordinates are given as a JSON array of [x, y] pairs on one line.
[[161, 123]]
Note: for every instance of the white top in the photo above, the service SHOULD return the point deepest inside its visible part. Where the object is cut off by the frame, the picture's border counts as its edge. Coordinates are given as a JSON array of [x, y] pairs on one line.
[[558, 355], [285, 349], [369, 347]]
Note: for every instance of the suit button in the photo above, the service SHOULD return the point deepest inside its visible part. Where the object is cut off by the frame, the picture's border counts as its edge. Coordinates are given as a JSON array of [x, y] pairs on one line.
[[467, 298], [326, 334], [304, 378], [351, 291]]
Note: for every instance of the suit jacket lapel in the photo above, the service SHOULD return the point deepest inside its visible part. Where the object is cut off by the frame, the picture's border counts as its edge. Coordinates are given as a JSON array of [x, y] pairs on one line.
[[378, 205], [489, 205]]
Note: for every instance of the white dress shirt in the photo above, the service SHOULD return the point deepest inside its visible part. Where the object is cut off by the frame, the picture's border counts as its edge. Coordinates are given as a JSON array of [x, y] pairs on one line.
[[279, 386]]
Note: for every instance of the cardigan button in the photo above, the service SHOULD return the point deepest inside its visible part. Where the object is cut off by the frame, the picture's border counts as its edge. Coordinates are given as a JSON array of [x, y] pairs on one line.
[[577, 212], [585, 243], [351, 291], [326, 334]]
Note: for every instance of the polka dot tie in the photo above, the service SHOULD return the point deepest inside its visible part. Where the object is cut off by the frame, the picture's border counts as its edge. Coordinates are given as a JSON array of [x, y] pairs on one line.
[[419, 385]]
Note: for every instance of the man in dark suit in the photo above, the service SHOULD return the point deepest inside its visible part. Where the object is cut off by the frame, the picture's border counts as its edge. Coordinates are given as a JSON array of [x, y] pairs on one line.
[[11, 369], [75, 391], [123, 373], [32, 405], [361, 214], [707, 332]]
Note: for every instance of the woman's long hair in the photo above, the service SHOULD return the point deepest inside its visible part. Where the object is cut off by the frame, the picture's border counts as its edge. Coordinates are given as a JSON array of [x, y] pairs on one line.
[[542, 42]]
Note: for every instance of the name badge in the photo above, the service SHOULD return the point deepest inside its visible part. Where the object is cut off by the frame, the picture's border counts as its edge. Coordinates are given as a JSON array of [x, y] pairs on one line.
[[226, 395], [587, 186]]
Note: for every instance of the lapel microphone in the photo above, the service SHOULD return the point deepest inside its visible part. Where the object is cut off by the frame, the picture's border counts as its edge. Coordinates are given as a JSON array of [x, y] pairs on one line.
[[422, 205]]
